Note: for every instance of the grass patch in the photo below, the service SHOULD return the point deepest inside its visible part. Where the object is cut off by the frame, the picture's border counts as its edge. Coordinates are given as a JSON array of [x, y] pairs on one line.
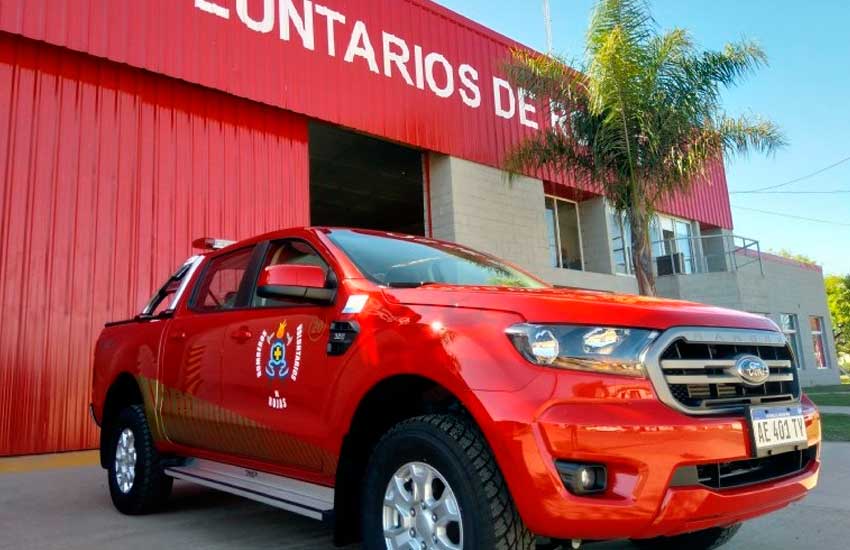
[[836, 427], [838, 388], [831, 399]]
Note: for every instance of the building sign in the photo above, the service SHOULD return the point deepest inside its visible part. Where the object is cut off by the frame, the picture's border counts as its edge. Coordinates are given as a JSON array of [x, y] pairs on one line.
[[409, 71], [379, 51]]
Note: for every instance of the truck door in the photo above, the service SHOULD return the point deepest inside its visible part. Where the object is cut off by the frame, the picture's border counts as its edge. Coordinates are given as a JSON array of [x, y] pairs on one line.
[[190, 396], [275, 371]]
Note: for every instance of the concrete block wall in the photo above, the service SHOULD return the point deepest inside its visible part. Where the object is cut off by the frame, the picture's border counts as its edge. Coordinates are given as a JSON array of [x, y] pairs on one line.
[[800, 290], [442, 210], [481, 207], [622, 284], [784, 288], [718, 289], [714, 247]]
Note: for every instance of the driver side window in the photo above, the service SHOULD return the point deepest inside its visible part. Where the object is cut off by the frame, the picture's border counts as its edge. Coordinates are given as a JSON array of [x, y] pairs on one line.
[[219, 289]]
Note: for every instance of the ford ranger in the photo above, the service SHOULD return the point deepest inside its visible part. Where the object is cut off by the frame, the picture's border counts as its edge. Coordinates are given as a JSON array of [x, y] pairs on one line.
[[418, 394]]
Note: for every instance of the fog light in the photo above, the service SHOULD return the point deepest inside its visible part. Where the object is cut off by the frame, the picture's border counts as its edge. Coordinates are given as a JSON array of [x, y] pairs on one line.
[[587, 478], [582, 479]]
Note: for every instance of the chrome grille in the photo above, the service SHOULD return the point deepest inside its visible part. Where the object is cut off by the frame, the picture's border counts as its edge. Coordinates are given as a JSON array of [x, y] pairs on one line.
[[692, 369]]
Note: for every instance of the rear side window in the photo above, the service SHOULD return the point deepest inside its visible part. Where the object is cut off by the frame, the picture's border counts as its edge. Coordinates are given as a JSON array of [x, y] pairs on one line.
[[219, 288], [165, 300]]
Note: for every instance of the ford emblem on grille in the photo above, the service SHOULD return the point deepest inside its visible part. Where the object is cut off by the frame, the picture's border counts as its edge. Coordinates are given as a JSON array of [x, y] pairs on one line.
[[751, 370]]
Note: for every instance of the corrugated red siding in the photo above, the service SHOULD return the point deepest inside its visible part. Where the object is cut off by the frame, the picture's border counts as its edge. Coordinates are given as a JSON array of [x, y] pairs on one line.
[[107, 174], [707, 201], [178, 39]]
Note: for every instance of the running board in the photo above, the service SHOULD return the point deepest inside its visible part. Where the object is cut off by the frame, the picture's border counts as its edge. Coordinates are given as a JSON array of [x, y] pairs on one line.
[[292, 495]]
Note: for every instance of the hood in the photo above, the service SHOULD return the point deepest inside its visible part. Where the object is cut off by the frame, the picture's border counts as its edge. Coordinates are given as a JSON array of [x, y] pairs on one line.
[[583, 307]]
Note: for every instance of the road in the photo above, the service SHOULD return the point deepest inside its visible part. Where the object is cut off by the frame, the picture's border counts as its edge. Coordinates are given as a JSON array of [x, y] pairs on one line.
[[69, 509]]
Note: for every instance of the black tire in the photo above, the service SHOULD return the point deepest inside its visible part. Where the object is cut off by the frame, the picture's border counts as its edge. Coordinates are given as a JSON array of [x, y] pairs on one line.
[[151, 487], [456, 448], [706, 539]]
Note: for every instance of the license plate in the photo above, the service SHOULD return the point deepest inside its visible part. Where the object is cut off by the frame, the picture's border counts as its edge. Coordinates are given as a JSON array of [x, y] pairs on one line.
[[777, 429]]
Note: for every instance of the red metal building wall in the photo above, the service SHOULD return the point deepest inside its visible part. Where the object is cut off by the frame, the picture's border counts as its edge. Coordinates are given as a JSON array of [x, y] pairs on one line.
[[112, 158], [106, 175], [259, 54]]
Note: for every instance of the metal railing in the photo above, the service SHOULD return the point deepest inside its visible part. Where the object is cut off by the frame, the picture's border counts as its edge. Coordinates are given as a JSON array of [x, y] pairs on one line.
[[704, 254]]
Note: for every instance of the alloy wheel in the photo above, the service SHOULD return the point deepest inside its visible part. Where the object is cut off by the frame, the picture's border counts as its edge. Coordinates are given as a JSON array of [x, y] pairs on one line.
[[125, 460], [421, 511]]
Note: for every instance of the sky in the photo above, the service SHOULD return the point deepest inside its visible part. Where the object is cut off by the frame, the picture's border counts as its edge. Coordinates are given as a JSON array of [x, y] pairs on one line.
[[805, 90]]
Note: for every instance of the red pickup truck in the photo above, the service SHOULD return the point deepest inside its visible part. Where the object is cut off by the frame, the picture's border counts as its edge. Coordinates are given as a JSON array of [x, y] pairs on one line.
[[419, 394]]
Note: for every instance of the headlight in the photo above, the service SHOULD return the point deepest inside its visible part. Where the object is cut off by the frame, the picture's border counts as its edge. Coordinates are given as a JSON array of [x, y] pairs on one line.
[[599, 349]]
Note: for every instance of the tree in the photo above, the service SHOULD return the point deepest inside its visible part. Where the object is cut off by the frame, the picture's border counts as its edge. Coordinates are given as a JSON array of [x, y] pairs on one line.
[[838, 298], [642, 116]]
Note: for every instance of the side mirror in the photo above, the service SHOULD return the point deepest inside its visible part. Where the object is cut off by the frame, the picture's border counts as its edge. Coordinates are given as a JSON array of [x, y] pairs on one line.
[[305, 282]]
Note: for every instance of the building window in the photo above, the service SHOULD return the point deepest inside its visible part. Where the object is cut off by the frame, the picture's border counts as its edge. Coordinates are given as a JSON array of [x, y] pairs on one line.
[[674, 242], [563, 233], [791, 328], [818, 342], [673, 245]]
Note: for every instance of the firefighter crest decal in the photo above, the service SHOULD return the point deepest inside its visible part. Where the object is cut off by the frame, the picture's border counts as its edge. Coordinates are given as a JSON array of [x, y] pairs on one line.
[[278, 358]]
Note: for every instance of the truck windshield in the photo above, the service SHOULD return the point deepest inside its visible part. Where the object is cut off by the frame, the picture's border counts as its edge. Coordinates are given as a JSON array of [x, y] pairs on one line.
[[408, 261]]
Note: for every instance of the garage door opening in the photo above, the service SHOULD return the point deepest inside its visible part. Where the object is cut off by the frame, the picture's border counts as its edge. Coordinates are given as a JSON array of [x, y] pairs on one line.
[[359, 181]]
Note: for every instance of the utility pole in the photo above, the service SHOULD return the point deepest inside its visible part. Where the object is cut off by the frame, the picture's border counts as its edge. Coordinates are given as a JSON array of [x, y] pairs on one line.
[[547, 22]]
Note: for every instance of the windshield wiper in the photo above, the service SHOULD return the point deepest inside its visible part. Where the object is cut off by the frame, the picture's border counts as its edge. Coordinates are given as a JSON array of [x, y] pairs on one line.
[[410, 284]]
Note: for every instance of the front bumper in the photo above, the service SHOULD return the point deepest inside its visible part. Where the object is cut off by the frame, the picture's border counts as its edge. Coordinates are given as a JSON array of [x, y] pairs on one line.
[[642, 442]]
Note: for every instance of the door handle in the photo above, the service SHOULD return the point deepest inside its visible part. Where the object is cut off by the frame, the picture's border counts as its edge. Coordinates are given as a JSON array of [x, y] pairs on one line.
[[179, 336], [242, 334]]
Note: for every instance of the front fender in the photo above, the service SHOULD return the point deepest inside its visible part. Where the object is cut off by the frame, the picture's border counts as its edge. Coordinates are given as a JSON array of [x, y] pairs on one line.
[[463, 350]]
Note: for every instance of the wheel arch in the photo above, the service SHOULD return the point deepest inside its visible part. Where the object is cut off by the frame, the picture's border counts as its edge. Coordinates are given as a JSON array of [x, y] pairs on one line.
[[123, 392], [387, 402]]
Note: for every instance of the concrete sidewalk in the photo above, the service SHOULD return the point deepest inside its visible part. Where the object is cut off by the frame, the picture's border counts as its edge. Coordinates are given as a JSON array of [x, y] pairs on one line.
[[69, 509]]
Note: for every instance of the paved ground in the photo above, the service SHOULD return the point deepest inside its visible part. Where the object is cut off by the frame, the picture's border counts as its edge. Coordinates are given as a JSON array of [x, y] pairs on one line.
[[69, 509]]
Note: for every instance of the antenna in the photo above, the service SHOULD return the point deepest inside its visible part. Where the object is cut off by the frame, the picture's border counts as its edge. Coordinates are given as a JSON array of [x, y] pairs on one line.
[[547, 22]]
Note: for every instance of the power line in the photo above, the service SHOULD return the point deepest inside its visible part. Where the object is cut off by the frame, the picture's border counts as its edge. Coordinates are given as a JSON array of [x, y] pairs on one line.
[[792, 216], [831, 192], [795, 180]]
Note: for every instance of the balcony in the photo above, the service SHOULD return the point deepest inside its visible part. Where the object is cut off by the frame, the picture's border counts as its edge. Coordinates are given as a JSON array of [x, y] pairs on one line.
[[718, 253]]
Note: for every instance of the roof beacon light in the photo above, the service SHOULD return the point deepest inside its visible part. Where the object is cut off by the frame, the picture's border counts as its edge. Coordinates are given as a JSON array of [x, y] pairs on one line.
[[211, 243]]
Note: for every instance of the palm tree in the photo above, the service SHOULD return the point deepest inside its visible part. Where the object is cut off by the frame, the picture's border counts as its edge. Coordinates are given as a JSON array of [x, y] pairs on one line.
[[641, 115]]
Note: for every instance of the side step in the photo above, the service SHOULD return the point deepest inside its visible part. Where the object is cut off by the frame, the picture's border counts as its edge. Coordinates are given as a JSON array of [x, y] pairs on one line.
[[292, 495]]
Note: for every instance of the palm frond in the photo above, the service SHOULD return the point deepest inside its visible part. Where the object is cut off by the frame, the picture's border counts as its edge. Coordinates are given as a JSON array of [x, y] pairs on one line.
[[545, 76], [742, 134], [738, 59], [551, 150], [631, 17]]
